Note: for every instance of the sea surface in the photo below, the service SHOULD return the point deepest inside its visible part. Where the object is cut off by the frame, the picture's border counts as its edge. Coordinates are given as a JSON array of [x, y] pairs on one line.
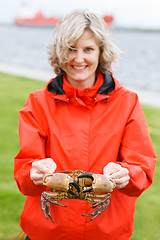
[[139, 64]]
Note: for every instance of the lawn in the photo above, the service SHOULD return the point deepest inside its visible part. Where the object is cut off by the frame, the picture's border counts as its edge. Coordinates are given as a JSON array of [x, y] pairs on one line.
[[13, 93]]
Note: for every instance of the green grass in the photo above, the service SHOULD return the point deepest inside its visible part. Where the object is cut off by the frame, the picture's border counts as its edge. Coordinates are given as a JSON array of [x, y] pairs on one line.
[[147, 216], [13, 94]]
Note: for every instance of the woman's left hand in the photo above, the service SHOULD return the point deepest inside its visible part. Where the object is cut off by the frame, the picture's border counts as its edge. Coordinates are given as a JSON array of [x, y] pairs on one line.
[[119, 174]]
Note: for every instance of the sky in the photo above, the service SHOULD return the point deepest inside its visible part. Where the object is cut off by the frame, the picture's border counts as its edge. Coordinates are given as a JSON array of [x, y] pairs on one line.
[[127, 13]]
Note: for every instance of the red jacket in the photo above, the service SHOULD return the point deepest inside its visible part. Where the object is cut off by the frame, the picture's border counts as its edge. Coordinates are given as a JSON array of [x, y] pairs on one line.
[[83, 129]]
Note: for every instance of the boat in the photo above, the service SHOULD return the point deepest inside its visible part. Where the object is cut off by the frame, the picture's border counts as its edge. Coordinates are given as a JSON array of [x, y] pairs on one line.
[[108, 19], [38, 19]]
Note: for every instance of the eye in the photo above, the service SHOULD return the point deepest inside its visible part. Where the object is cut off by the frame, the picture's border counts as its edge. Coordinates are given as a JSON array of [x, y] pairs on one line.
[[89, 49], [71, 49]]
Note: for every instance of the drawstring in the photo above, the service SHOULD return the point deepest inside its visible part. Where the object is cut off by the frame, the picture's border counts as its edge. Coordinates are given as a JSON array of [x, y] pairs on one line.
[[23, 235]]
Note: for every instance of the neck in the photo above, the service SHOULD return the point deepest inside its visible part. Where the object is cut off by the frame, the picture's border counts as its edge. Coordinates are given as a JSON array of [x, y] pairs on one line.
[[82, 84]]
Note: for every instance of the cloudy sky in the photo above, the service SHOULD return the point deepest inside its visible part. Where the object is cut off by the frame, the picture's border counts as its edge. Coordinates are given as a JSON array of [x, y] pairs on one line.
[[134, 13]]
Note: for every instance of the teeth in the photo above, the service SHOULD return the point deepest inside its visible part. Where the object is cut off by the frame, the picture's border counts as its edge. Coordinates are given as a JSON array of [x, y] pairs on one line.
[[79, 67]]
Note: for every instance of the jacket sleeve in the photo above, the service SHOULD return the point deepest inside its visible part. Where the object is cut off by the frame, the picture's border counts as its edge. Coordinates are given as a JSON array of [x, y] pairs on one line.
[[137, 153], [32, 147]]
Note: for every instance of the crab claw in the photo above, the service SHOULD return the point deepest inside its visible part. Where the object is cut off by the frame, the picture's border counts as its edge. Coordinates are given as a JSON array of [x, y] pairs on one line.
[[99, 184], [74, 184], [87, 175], [61, 182]]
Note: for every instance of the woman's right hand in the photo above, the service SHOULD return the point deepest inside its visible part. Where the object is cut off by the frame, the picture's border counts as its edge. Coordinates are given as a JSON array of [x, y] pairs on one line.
[[40, 167]]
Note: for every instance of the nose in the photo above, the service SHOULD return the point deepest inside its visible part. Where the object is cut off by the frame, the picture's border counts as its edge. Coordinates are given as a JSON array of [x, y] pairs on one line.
[[79, 56]]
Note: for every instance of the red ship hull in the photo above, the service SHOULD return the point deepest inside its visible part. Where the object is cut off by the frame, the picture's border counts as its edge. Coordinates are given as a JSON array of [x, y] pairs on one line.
[[40, 20], [108, 19]]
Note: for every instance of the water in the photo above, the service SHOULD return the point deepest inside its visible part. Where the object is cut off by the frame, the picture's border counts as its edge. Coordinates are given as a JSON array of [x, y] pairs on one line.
[[139, 64]]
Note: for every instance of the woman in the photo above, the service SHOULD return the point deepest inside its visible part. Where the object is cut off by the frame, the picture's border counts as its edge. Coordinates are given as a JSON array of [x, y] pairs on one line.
[[83, 119]]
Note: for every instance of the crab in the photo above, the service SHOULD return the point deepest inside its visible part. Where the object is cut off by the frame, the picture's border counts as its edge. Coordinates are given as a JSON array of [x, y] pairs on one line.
[[78, 184]]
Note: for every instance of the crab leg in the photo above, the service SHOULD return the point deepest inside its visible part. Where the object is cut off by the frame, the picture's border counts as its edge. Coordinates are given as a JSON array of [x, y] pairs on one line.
[[100, 209], [104, 200], [45, 199], [96, 199]]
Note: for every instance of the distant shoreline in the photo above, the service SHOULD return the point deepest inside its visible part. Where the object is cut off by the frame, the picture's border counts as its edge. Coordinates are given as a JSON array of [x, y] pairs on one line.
[[151, 98], [114, 28]]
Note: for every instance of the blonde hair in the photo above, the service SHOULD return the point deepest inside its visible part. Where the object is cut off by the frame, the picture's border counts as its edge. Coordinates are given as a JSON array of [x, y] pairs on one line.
[[67, 32]]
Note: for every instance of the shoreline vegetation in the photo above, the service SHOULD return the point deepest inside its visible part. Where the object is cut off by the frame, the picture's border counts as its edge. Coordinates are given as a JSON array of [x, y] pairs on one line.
[[13, 94]]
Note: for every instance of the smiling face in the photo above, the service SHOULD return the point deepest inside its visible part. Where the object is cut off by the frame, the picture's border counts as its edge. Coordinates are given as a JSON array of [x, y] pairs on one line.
[[83, 59]]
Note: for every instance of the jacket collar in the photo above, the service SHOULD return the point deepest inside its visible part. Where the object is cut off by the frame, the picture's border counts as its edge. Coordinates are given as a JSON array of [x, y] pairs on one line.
[[108, 86], [56, 85]]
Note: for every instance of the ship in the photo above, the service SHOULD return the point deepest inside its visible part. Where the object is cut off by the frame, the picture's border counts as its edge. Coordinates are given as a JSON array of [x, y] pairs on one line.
[[108, 19], [38, 19]]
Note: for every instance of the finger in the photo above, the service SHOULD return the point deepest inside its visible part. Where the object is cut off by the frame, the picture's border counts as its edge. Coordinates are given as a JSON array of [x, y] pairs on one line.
[[41, 167], [119, 186], [122, 180], [38, 182], [111, 168], [46, 165], [49, 163], [119, 174], [36, 176]]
